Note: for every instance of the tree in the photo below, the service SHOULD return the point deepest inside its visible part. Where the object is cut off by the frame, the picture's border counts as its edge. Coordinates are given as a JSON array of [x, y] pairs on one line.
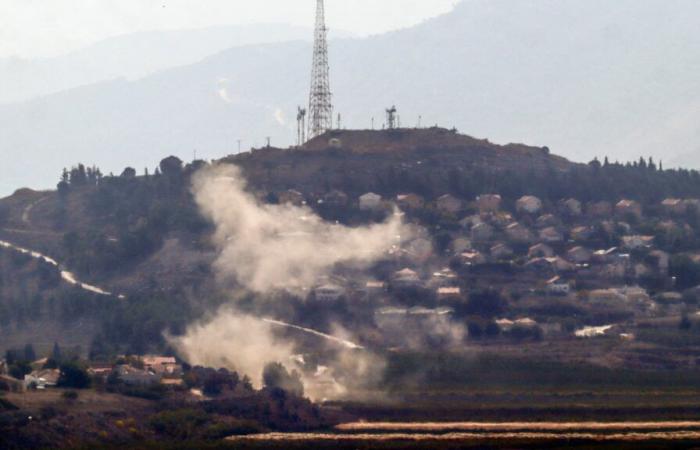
[[129, 172], [171, 166], [276, 376], [73, 376], [29, 353], [56, 352]]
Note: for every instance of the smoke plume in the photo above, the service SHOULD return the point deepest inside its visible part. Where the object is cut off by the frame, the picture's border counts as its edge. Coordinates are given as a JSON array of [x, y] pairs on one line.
[[269, 247]]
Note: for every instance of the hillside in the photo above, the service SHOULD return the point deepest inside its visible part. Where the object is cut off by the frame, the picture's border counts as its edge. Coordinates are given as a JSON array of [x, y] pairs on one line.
[[616, 84], [143, 236]]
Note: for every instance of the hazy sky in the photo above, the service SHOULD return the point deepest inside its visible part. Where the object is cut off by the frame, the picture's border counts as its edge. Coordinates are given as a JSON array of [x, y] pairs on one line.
[[31, 28]]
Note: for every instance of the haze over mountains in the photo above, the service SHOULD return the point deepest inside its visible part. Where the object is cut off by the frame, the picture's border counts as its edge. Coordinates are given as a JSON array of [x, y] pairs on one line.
[[586, 78]]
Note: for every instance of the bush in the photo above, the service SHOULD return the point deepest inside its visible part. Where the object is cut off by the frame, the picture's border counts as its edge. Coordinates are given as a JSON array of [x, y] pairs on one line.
[[70, 395], [73, 376], [275, 375]]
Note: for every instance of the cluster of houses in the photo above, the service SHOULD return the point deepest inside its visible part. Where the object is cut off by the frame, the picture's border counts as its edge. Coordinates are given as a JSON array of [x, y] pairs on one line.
[[134, 371], [600, 252]]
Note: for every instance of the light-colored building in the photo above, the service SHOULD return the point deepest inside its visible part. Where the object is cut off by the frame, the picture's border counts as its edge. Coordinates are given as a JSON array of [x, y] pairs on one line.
[[626, 208], [529, 204], [599, 209], [551, 235], [448, 204], [637, 241], [540, 251], [329, 293], [501, 251], [518, 233], [579, 255], [488, 203], [410, 201], [481, 232], [370, 201], [571, 207]]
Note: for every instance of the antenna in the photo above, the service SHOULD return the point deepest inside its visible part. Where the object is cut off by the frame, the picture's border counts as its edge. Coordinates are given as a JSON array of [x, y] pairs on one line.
[[339, 122], [420, 119], [268, 141], [320, 106], [301, 126], [391, 118], [239, 145], [373, 123]]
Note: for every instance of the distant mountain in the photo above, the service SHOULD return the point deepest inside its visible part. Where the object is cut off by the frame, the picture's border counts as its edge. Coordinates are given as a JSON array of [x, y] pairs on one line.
[[131, 56], [584, 77]]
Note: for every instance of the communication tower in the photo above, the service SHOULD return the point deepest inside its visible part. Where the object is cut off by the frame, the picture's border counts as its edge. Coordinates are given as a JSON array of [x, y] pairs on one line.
[[320, 105]]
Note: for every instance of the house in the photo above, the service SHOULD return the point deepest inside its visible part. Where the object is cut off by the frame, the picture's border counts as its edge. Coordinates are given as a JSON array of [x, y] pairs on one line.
[[599, 209], [472, 258], [420, 248], [571, 207], [674, 206], [468, 222], [505, 325], [488, 203], [551, 235], [136, 377], [448, 204], [540, 251], [501, 251], [329, 293], [606, 296], [547, 220], [518, 233], [162, 365], [410, 201], [579, 255], [370, 201], [606, 255], [637, 241], [661, 261], [336, 199], [528, 204], [626, 208], [558, 286], [481, 232], [444, 277], [42, 379], [100, 370], [291, 197], [460, 245], [552, 265], [447, 293], [406, 278], [502, 219], [581, 233]]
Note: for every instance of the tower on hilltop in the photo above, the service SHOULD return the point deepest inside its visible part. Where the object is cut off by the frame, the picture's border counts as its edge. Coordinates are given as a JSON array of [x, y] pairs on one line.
[[320, 105]]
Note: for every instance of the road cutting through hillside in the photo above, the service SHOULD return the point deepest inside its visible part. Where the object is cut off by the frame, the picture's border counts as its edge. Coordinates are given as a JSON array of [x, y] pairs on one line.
[[66, 275]]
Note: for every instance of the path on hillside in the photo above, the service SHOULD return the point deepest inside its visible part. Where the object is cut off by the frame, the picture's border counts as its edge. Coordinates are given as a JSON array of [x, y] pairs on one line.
[[26, 213], [66, 275]]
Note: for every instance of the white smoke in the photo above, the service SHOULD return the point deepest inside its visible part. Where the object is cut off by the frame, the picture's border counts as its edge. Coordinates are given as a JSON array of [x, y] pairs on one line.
[[270, 247], [267, 248]]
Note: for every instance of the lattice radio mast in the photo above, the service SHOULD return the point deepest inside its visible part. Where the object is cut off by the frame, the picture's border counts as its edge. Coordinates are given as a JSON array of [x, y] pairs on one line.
[[320, 106]]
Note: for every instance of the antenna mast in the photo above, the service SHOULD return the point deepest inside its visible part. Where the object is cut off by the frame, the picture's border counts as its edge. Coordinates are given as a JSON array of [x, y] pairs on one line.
[[320, 106], [301, 126]]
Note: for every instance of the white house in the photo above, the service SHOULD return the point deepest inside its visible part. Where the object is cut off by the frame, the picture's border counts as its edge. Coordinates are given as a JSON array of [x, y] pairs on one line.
[[528, 204], [370, 201]]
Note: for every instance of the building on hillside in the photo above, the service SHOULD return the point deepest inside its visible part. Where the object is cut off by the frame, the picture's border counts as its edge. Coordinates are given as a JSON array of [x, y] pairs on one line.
[[518, 233], [488, 203], [406, 278], [42, 379], [571, 207], [336, 199], [579, 255], [501, 251], [162, 365], [472, 258], [599, 209], [447, 204], [674, 206], [661, 261], [291, 197], [625, 208], [528, 204], [449, 293], [551, 235], [637, 241], [410, 201], [581, 233], [370, 201], [540, 251], [547, 220], [481, 232], [558, 286], [329, 293], [136, 377]]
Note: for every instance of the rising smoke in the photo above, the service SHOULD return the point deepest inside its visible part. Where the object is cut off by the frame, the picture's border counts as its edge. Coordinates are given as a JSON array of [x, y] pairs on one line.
[[267, 248], [271, 247]]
